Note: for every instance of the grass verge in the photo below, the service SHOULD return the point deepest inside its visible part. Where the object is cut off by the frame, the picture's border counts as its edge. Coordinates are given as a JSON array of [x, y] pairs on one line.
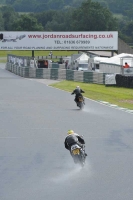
[[122, 97], [37, 53]]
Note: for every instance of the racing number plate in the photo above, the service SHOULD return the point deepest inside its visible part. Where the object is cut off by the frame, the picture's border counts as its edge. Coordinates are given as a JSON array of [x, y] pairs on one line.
[[80, 99], [75, 151]]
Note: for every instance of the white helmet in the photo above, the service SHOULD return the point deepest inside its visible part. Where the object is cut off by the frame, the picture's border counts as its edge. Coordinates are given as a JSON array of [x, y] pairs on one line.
[[77, 87]]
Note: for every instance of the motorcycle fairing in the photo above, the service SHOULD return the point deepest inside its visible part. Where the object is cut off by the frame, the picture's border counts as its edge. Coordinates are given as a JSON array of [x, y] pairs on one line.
[[75, 149]]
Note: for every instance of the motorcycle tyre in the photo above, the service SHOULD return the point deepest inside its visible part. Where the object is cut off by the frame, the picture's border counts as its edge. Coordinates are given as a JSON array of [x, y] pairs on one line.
[[81, 105], [79, 159]]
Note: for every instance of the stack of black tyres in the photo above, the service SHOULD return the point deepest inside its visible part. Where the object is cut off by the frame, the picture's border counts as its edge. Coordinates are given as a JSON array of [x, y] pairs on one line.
[[124, 81]]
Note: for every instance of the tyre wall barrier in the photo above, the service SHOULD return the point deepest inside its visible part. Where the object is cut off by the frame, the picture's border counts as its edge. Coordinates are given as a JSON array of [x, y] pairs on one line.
[[124, 81], [55, 73], [39, 73], [55, 65]]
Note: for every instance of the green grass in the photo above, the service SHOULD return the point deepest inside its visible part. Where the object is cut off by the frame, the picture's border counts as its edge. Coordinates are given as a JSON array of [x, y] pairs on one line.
[[3, 54], [37, 53], [122, 97]]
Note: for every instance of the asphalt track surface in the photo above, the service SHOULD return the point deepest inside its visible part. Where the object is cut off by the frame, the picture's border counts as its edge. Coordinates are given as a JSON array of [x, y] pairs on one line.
[[34, 164]]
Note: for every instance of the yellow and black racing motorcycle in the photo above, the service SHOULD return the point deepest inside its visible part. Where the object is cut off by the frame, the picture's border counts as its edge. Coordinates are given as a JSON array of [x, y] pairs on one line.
[[78, 154]]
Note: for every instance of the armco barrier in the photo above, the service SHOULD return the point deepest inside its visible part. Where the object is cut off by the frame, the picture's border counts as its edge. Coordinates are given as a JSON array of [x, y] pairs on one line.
[[46, 73], [32, 72], [98, 78], [78, 76], [62, 74], [55, 73]]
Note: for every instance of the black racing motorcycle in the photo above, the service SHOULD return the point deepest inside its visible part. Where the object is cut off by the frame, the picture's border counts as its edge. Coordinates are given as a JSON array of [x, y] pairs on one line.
[[80, 102]]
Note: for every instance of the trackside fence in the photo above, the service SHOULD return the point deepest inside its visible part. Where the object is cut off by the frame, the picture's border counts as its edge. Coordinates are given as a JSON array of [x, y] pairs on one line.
[[57, 74]]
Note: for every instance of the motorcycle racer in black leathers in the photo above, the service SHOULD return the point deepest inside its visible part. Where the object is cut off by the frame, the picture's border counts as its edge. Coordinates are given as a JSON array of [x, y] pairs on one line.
[[77, 93]]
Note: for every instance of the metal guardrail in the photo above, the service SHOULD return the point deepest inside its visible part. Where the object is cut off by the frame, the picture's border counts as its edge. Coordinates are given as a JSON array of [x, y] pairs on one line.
[[50, 57]]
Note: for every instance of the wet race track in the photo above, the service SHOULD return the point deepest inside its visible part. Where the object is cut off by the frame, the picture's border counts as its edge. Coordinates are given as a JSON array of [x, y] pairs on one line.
[[34, 165]]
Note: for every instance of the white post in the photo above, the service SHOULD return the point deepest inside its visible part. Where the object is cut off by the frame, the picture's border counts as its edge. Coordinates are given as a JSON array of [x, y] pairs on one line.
[[121, 65]]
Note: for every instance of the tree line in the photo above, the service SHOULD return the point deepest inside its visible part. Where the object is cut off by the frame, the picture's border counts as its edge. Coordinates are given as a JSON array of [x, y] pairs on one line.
[[42, 5], [88, 16], [124, 7]]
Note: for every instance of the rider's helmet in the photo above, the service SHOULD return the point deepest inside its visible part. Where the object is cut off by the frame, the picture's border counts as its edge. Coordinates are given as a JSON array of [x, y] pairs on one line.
[[70, 132], [78, 88]]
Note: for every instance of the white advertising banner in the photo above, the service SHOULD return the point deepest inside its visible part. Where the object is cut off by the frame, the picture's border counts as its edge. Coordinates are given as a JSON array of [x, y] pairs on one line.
[[59, 40]]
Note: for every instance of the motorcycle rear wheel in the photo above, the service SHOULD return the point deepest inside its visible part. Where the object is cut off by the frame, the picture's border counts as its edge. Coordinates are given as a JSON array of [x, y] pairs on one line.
[[79, 159]]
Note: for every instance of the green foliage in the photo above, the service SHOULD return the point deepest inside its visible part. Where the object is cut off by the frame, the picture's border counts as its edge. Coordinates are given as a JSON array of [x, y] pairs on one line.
[[89, 16], [9, 16], [92, 16], [27, 23], [2, 2], [128, 29], [41, 5], [124, 7], [1, 22], [66, 15]]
